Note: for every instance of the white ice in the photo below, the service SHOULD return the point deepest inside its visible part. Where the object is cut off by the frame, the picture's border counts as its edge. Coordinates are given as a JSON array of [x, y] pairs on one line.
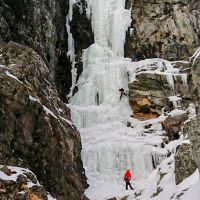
[[109, 22], [109, 147], [175, 100]]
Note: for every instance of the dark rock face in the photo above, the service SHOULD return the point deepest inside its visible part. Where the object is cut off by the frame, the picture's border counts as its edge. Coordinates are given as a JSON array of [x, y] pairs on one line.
[[196, 83], [184, 164], [41, 25], [81, 29], [35, 127], [167, 29]]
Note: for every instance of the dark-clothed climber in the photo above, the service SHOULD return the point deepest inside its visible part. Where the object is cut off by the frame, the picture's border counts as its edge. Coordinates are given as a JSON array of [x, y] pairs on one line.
[[122, 93]]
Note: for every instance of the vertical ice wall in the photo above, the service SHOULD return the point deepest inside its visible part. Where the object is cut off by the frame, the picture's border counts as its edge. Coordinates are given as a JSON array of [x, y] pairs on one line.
[[109, 22], [69, 16], [109, 147], [71, 50]]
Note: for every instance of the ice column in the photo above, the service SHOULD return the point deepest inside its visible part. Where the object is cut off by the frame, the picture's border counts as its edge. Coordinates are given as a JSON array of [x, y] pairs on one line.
[[71, 51], [109, 22]]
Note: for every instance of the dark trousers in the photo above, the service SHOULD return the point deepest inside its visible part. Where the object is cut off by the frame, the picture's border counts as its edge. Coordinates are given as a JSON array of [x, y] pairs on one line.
[[122, 93], [128, 184]]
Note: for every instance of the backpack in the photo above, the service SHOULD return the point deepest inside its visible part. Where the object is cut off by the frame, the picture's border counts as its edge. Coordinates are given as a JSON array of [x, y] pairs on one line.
[[126, 179]]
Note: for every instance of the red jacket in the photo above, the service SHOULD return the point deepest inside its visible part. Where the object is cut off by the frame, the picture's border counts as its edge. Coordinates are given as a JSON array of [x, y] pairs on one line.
[[127, 175]]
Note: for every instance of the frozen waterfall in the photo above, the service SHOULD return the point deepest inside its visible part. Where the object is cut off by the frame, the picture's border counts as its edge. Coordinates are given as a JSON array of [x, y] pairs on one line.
[[109, 146]]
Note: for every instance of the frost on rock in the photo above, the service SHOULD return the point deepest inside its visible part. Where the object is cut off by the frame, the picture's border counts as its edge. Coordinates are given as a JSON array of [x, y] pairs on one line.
[[159, 70]]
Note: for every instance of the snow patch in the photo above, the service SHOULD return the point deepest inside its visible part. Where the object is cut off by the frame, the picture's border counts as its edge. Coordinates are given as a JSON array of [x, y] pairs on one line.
[[12, 76], [175, 100], [14, 176], [49, 111]]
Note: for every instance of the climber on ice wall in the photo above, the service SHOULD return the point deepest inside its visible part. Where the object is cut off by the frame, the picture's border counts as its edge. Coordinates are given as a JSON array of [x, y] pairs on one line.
[[122, 93], [127, 178]]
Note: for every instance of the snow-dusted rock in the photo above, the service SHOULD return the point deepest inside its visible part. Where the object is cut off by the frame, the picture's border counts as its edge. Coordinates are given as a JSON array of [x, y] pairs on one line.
[[35, 126], [154, 84], [20, 183]]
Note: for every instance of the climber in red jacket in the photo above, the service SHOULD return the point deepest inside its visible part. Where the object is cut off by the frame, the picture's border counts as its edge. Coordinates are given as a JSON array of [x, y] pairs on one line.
[[127, 178]]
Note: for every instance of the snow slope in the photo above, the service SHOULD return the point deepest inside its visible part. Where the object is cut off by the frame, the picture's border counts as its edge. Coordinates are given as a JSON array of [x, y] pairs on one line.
[[109, 146]]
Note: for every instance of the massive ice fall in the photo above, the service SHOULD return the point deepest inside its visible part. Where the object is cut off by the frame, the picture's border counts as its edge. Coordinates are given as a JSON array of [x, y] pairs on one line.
[[109, 146]]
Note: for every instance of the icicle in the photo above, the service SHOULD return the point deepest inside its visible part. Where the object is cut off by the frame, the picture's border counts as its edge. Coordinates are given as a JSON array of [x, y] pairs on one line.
[[175, 100], [170, 80], [110, 22], [71, 50], [184, 79]]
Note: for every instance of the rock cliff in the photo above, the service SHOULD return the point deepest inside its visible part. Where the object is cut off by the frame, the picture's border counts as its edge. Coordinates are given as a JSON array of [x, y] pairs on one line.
[[41, 25], [167, 29], [184, 165], [20, 183], [36, 131], [155, 86], [192, 128]]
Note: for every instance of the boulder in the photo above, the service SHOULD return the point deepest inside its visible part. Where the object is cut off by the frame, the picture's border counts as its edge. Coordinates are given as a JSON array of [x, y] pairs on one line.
[[18, 186]]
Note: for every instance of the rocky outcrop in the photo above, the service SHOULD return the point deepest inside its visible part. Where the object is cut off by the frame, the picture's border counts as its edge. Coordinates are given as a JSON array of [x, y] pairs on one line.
[[167, 29], [184, 164], [195, 71], [151, 88], [20, 183], [35, 127], [173, 124]]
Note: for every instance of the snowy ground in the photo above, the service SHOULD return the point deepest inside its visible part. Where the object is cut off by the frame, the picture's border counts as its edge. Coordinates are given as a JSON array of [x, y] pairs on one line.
[[109, 146]]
